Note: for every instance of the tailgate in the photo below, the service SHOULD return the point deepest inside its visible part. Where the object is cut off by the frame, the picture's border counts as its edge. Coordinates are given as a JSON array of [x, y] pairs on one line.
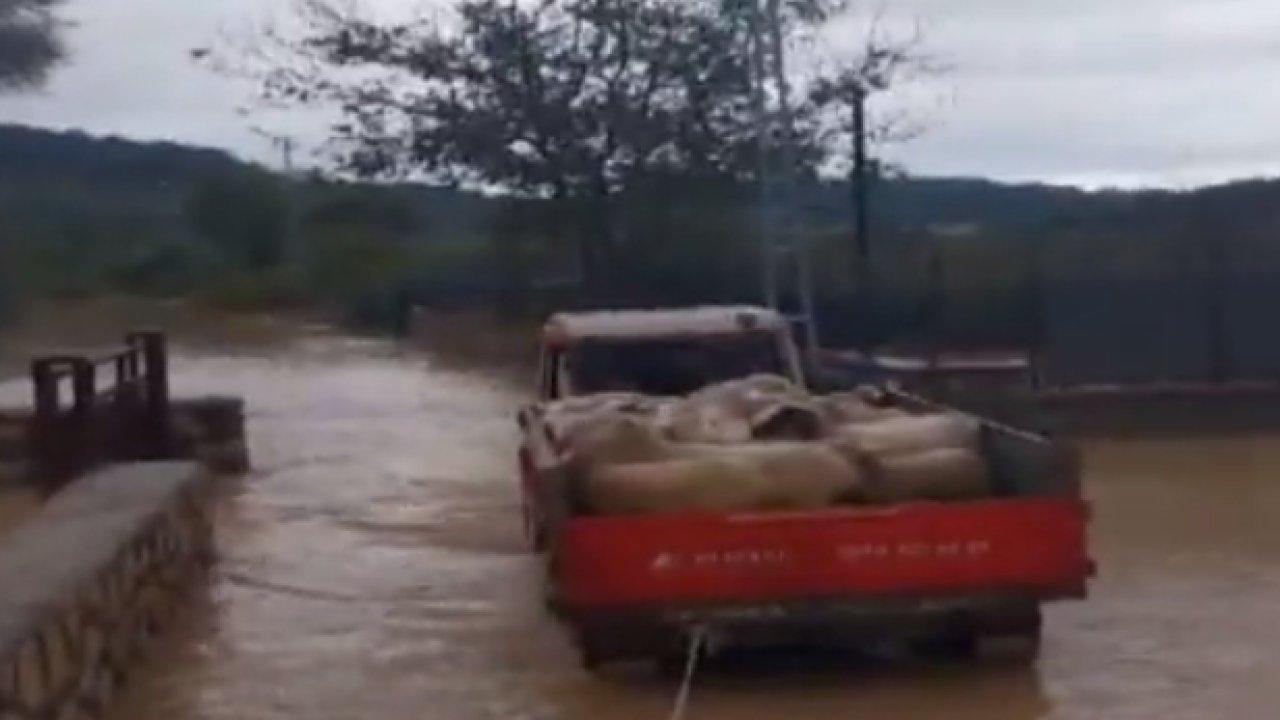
[[1032, 547]]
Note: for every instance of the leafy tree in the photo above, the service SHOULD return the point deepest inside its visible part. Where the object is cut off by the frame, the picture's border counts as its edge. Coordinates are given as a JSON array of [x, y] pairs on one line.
[[358, 271], [569, 99], [562, 98], [380, 209], [566, 98], [246, 213], [29, 44]]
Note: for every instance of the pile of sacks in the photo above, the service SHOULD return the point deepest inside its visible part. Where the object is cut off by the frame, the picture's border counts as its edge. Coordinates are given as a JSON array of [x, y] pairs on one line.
[[760, 444]]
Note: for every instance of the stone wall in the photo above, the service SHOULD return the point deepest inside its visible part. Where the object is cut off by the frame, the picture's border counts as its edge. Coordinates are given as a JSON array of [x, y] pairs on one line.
[[85, 585]]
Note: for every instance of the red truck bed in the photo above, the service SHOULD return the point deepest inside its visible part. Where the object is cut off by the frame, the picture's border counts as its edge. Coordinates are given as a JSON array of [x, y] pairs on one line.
[[1033, 547], [634, 587]]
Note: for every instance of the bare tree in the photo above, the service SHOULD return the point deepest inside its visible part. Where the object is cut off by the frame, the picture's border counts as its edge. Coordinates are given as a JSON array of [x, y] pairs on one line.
[[882, 63], [29, 44], [843, 97]]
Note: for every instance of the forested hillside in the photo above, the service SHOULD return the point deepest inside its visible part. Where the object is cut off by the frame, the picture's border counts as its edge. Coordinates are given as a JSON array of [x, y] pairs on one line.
[[961, 258]]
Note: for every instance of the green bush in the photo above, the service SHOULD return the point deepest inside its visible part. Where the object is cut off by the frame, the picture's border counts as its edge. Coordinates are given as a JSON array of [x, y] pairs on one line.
[[359, 273], [243, 212], [254, 290]]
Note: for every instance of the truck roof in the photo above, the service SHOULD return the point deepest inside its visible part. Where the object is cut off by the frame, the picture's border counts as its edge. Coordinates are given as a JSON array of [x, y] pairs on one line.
[[567, 328]]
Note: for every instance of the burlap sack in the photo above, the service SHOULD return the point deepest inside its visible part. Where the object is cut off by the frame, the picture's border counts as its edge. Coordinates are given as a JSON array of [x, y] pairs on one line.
[[940, 475], [741, 478], [906, 434]]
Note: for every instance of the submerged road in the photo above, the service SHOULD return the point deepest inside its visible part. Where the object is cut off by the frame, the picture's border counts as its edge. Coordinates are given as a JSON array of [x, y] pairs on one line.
[[372, 568]]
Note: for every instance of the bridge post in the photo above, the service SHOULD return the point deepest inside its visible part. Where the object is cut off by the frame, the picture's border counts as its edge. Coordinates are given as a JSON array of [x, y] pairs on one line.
[[84, 387], [64, 441], [155, 362], [44, 428], [44, 381], [85, 439]]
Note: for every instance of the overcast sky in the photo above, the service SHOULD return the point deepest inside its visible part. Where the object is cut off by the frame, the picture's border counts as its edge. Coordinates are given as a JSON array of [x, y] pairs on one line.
[[1090, 92]]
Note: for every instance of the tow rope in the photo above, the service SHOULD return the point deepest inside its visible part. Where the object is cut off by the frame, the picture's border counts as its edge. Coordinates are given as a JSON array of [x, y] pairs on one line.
[[696, 640]]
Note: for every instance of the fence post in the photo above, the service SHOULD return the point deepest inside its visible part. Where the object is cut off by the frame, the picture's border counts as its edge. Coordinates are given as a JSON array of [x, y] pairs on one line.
[[84, 384], [155, 360], [84, 387], [44, 381], [45, 384], [65, 442]]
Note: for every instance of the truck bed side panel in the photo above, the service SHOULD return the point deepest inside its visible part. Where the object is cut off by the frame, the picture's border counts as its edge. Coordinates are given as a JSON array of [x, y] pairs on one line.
[[1034, 547]]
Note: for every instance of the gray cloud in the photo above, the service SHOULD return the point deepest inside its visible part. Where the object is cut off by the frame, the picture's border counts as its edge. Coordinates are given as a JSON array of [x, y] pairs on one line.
[[1093, 92], [1164, 92]]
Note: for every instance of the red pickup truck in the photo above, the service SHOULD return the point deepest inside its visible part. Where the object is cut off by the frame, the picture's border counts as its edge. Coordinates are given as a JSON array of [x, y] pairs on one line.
[[955, 575]]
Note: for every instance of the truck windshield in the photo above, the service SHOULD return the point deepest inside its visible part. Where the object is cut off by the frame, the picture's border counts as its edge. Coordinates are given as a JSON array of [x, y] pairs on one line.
[[670, 367]]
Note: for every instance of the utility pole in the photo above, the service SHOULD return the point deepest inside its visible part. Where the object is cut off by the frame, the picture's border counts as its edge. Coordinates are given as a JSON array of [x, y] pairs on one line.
[[863, 291], [764, 176], [775, 139], [286, 145], [282, 144], [858, 178]]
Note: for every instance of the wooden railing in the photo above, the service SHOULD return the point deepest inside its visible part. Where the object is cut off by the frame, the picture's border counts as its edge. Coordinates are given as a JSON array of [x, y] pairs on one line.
[[82, 421]]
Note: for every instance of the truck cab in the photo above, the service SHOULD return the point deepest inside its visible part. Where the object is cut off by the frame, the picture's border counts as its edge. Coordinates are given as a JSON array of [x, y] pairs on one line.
[[662, 352]]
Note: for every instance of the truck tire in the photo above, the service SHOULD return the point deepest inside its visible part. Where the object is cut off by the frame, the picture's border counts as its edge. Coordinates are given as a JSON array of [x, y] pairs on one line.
[[551, 598], [1016, 641], [672, 657], [596, 649], [629, 642], [590, 655], [1021, 649], [956, 644], [1012, 634], [535, 533]]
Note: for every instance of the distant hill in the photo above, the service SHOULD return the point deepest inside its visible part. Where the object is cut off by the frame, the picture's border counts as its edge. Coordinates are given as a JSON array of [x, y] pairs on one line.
[[148, 181], [162, 170], [31, 153], [966, 260]]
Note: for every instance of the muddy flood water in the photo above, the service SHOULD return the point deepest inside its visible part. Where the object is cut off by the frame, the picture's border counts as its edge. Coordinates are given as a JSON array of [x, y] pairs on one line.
[[372, 567]]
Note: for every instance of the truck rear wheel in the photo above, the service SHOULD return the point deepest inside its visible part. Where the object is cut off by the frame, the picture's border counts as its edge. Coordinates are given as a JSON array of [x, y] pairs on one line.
[[953, 645], [597, 649], [535, 532], [626, 642], [1014, 649], [591, 654], [1014, 640], [1010, 633]]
